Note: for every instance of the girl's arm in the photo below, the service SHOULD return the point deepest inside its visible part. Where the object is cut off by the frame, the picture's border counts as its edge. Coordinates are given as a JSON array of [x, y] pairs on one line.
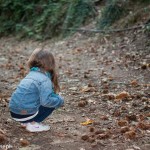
[[47, 96]]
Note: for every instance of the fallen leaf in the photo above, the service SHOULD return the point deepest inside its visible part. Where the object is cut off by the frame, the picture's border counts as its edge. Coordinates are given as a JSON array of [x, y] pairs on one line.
[[122, 95], [87, 122], [104, 117], [131, 117], [88, 89], [109, 96], [122, 123], [2, 138], [124, 129], [144, 66], [103, 136], [143, 126], [24, 142], [134, 83], [130, 134], [84, 137], [91, 129], [82, 103], [99, 132]]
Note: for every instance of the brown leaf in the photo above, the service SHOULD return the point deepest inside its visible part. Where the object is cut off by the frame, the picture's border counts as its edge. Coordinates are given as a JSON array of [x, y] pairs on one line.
[[82, 103], [104, 117], [99, 132], [91, 129], [2, 138], [144, 66], [131, 117], [122, 123], [143, 126], [103, 136], [24, 142], [85, 137], [124, 129], [122, 95], [134, 83], [109, 96], [130, 134], [88, 89]]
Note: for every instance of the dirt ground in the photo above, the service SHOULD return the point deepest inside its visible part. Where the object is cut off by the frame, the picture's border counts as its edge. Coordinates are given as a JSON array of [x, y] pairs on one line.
[[104, 79]]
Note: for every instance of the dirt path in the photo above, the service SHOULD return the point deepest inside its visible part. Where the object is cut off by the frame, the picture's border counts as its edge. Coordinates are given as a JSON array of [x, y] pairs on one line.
[[93, 72]]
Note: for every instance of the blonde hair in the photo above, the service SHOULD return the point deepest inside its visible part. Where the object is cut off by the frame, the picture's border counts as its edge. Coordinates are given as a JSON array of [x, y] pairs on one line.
[[44, 59]]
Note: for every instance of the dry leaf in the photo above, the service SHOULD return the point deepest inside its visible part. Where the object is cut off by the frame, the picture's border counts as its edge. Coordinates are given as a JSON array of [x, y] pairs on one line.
[[130, 134], [141, 117], [124, 129], [131, 117], [134, 83], [104, 117], [143, 126], [87, 122], [2, 138], [122, 95], [24, 142], [91, 129], [88, 89], [99, 132], [103, 136], [144, 66], [84, 137], [82, 103], [122, 123], [109, 96]]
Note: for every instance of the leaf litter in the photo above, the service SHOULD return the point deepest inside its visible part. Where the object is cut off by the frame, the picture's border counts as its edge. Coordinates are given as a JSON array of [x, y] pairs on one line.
[[107, 82]]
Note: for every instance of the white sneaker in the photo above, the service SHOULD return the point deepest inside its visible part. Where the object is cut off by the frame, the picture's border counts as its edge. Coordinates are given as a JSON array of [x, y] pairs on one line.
[[37, 127]]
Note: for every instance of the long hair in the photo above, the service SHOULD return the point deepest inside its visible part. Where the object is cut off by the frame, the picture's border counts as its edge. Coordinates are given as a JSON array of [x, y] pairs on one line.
[[44, 59]]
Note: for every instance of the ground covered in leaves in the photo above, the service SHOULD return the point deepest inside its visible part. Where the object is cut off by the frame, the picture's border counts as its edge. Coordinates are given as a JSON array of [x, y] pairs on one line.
[[106, 85]]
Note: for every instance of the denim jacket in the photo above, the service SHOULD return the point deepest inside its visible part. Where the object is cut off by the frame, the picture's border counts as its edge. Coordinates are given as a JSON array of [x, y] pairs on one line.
[[33, 91]]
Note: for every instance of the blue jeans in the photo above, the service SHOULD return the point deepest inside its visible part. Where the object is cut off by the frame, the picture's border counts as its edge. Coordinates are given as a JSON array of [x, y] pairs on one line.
[[43, 113]]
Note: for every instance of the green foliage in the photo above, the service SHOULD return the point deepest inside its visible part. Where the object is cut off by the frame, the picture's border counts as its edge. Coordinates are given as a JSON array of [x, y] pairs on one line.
[[42, 18], [140, 1], [76, 9], [147, 28], [112, 12]]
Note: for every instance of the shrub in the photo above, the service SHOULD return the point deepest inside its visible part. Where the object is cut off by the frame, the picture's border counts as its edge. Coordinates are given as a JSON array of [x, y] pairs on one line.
[[42, 18], [111, 13]]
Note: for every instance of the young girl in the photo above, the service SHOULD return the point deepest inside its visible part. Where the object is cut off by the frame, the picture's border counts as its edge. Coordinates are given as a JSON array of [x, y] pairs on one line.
[[35, 97]]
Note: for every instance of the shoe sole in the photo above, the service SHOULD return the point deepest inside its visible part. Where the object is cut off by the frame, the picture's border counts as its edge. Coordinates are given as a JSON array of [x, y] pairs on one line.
[[37, 131]]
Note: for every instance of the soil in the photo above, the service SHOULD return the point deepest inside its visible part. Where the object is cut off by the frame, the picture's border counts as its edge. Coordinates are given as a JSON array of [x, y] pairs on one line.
[[105, 82]]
